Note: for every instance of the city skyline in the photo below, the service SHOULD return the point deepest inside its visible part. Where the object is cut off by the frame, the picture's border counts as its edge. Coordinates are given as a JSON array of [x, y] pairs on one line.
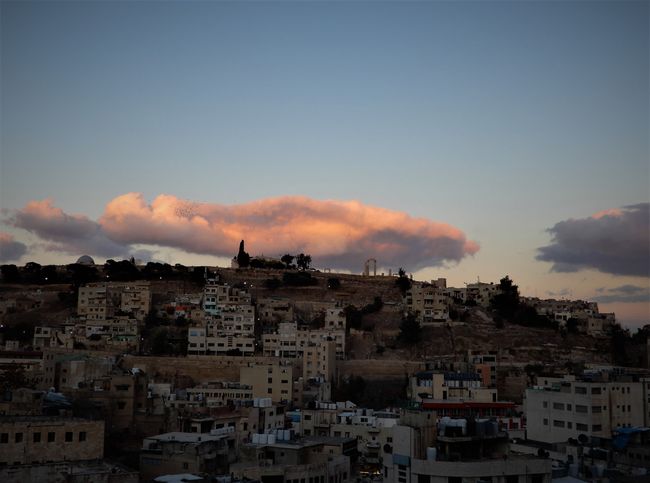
[[455, 140]]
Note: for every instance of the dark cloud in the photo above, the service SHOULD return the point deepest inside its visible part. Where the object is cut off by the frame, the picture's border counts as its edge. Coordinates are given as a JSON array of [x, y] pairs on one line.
[[624, 293], [10, 250], [65, 233], [614, 241]]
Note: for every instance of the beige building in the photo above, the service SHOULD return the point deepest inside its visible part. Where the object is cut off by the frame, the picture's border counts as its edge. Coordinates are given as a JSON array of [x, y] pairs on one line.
[[290, 342], [53, 337], [274, 310], [319, 361], [101, 301], [216, 394], [428, 302], [435, 385], [273, 381], [43, 439], [562, 408]]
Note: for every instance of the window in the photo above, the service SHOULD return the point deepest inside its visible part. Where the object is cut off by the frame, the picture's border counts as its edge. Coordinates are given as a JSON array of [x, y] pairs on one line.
[[595, 390], [596, 427], [51, 437], [545, 422], [186, 466], [68, 436], [558, 424], [19, 437], [4, 438], [581, 390], [37, 437], [596, 409], [545, 404], [558, 406], [582, 427], [581, 409], [82, 436]]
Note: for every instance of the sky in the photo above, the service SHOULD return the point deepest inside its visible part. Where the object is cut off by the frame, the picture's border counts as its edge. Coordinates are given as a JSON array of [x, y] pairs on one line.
[[455, 139]]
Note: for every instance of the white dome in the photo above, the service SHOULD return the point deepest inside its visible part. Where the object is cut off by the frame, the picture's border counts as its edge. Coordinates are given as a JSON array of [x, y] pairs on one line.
[[85, 260]]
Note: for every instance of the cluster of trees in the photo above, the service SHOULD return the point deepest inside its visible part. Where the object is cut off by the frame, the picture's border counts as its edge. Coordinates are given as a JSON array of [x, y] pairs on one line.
[[244, 260], [507, 306], [78, 274], [354, 316]]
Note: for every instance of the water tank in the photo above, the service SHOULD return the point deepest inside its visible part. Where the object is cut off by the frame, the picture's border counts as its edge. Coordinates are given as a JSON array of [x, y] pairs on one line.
[[270, 438]]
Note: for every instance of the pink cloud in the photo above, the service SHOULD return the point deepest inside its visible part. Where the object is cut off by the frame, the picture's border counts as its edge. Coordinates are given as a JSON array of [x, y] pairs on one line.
[[338, 234]]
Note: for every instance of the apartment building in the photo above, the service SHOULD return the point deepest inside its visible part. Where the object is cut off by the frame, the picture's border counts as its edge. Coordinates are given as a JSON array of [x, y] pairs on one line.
[[216, 295], [295, 461], [215, 394], [428, 302], [454, 451], [592, 405], [437, 385], [44, 439], [178, 452], [319, 361], [54, 337], [273, 381], [101, 301], [274, 310], [290, 342]]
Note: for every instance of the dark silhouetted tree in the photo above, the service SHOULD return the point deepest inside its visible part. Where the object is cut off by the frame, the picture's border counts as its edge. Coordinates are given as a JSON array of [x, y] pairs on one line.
[[243, 258], [506, 302], [287, 260], [303, 261], [410, 331], [402, 281], [10, 274]]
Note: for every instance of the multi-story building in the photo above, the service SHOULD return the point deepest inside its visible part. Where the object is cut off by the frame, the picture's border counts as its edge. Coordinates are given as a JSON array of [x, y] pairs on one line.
[[216, 295], [428, 302], [319, 361], [372, 430], [101, 301], [54, 337], [290, 342], [214, 394], [44, 439], [456, 451], [273, 381], [274, 310], [434, 385], [177, 452], [592, 405], [295, 461]]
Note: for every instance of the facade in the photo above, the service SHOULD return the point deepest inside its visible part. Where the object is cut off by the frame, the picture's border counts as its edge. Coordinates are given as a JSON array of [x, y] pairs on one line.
[[173, 453], [43, 439], [428, 302], [455, 451], [562, 408], [290, 342], [295, 461], [273, 381]]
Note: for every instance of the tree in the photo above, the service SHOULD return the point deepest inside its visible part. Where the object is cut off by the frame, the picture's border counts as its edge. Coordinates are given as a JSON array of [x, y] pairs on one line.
[[243, 258], [410, 331], [403, 282], [303, 261], [287, 260], [506, 302], [10, 273]]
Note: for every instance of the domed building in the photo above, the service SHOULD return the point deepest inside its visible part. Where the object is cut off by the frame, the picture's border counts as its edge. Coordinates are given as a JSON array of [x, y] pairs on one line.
[[85, 260]]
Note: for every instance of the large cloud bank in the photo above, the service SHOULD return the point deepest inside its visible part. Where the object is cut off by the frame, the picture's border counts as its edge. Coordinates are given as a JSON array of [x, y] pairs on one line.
[[10, 249], [624, 293], [614, 241], [338, 234]]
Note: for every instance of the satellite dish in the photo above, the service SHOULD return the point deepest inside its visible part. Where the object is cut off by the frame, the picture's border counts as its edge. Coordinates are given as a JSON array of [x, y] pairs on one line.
[[583, 439]]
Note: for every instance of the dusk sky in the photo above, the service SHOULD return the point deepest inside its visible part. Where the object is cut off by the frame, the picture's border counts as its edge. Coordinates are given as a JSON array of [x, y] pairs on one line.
[[455, 139]]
